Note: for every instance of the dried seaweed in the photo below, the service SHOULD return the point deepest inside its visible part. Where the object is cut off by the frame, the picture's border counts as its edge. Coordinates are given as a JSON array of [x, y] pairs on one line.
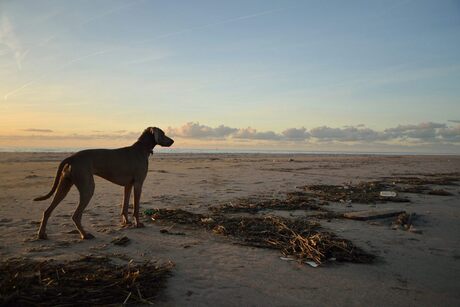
[[420, 185], [297, 200], [300, 238], [87, 281], [364, 192], [432, 179]]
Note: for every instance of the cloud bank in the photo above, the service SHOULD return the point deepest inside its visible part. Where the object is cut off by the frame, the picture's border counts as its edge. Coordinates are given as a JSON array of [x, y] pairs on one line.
[[428, 132], [429, 136]]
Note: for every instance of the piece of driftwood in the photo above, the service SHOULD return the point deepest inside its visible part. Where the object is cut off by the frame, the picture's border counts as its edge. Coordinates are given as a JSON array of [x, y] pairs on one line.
[[372, 214]]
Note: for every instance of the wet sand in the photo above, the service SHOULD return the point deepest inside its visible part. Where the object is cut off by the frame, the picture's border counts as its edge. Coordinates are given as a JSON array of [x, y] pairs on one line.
[[412, 269]]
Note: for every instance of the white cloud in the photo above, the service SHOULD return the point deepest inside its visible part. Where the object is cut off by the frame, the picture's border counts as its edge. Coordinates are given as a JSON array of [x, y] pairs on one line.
[[297, 134], [450, 134], [405, 135], [347, 134], [422, 131], [252, 134], [195, 130]]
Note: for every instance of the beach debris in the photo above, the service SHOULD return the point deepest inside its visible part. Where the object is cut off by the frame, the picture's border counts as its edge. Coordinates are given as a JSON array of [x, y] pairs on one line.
[[450, 179], [87, 281], [296, 200], [299, 238], [387, 194], [207, 220], [287, 258], [312, 264], [372, 214], [363, 193], [420, 184], [384, 190], [404, 221]]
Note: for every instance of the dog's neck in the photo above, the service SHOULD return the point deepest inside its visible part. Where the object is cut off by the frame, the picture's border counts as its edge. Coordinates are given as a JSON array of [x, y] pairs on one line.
[[144, 147], [146, 143]]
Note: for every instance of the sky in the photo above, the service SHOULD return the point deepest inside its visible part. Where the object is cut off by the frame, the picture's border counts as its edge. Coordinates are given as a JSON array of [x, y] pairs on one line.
[[290, 75]]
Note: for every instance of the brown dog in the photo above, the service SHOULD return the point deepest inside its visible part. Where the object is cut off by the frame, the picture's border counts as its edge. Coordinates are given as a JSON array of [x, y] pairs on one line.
[[125, 166]]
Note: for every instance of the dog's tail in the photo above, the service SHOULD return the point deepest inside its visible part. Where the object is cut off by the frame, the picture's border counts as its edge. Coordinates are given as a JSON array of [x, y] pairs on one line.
[[56, 180]]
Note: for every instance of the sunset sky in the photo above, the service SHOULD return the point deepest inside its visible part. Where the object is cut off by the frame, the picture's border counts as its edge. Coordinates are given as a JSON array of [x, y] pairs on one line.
[[294, 75]]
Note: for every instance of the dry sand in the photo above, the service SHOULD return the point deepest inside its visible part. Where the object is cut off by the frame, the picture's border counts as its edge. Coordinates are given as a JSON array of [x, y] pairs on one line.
[[412, 270]]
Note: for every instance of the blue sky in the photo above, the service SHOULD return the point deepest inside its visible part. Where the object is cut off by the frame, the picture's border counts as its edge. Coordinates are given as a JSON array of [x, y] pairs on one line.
[[86, 67]]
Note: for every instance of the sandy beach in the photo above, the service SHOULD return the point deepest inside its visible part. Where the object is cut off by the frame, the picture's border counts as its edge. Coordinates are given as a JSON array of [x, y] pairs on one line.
[[419, 268]]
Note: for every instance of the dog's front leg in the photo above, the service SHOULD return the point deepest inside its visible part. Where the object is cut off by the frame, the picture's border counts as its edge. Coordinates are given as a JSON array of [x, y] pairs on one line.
[[137, 199], [125, 205]]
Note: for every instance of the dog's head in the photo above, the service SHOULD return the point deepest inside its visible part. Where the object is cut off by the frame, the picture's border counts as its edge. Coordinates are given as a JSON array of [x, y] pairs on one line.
[[160, 137]]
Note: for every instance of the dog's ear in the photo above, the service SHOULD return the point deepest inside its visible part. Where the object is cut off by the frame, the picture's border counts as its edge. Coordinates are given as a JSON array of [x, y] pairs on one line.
[[154, 132]]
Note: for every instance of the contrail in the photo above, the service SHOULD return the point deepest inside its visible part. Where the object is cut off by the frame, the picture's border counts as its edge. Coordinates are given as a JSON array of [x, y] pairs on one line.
[[43, 76], [186, 30], [215, 24]]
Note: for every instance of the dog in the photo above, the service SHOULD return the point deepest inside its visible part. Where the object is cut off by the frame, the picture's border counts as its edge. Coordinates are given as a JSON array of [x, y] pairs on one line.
[[125, 166]]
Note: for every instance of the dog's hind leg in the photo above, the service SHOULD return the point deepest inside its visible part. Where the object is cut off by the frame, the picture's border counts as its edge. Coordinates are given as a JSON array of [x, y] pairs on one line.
[[125, 205], [65, 183], [85, 185]]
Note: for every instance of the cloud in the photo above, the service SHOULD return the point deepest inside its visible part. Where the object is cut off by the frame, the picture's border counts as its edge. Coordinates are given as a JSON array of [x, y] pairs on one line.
[[450, 134], [252, 134], [38, 130], [195, 130], [347, 134], [429, 134], [422, 131], [454, 121], [296, 134]]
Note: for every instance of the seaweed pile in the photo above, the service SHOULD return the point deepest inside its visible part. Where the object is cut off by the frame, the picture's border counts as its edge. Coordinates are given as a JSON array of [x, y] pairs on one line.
[[297, 200], [364, 192], [314, 197], [298, 238], [420, 185], [430, 179], [87, 281]]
